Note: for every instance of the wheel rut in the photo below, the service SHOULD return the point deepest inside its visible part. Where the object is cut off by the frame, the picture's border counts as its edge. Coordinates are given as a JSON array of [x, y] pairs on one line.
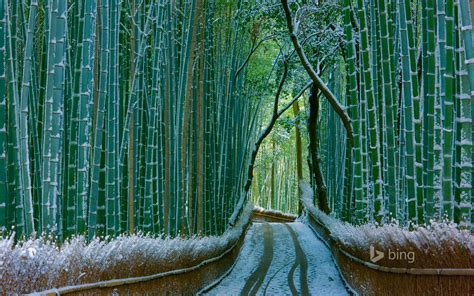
[[302, 262], [282, 259], [255, 281]]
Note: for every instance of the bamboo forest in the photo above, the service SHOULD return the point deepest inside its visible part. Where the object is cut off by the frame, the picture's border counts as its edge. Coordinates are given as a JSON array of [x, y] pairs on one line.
[[190, 147]]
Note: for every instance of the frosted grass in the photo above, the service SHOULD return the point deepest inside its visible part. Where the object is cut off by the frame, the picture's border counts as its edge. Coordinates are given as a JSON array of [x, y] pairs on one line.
[[39, 264], [437, 244]]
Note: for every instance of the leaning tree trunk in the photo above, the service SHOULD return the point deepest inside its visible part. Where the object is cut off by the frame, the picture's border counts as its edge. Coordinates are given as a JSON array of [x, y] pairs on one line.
[[315, 167]]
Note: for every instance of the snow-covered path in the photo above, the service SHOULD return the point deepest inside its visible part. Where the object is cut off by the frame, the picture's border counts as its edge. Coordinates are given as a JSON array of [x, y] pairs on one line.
[[282, 259]]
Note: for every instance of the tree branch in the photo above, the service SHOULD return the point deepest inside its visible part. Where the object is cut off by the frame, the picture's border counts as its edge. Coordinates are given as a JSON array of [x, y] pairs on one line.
[[340, 110], [283, 110], [252, 51], [276, 114]]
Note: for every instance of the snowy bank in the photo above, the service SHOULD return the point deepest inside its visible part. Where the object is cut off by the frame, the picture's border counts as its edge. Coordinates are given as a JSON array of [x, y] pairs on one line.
[[39, 264], [276, 213], [438, 245]]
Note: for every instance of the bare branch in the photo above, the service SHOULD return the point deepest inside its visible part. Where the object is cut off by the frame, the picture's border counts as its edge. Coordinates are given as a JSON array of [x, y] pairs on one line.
[[340, 110], [283, 110], [275, 115], [252, 51]]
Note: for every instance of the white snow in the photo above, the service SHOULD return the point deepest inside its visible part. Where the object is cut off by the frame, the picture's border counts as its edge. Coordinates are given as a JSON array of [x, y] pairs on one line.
[[323, 277], [275, 212], [276, 282], [438, 241], [38, 264], [247, 261]]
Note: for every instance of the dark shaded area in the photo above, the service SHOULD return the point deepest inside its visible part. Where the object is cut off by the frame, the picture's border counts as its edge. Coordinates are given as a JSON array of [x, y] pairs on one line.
[[315, 162]]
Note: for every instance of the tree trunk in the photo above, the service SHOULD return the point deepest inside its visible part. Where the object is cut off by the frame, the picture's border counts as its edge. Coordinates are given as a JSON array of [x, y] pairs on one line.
[[299, 153], [315, 168], [272, 181]]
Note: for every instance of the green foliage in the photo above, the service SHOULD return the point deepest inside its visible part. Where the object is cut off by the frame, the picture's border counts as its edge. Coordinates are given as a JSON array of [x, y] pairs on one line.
[[411, 107], [406, 79], [122, 116]]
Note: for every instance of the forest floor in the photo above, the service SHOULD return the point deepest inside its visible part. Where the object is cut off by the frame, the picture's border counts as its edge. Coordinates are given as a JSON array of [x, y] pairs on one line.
[[282, 259]]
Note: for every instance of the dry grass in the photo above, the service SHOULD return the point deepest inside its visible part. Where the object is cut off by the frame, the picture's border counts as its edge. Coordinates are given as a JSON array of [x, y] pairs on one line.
[[438, 245], [435, 246], [38, 264]]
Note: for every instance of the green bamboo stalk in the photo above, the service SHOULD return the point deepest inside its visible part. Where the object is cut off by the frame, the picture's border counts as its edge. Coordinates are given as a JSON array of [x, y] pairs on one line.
[[33, 122], [4, 201], [440, 97], [417, 106], [390, 105], [47, 216], [429, 108], [23, 119], [408, 117], [84, 115], [150, 203], [72, 106], [468, 36], [58, 112], [463, 144], [15, 210], [99, 121], [448, 123], [360, 202], [53, 110], [19, 111], [112, 192], [373, 129]]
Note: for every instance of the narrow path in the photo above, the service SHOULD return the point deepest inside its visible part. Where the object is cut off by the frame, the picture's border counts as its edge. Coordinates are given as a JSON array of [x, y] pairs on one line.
[[255, 281], [282, 259]]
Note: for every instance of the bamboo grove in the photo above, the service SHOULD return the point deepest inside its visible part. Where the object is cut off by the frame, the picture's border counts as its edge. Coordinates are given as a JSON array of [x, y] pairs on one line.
[[275, 186], [409, 79], [121, 116]]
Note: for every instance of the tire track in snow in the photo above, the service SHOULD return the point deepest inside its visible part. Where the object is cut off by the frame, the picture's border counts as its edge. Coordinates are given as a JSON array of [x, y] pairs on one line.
[[302, 262], [276, 282], [255, 281], [324, 278], [314, 270], [271, 278]]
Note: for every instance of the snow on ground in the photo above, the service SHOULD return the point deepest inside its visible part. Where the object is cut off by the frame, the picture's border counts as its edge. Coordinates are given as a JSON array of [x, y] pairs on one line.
[[276, 279], [248, 260], [38, 264], [322, 275], [274, 212]]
